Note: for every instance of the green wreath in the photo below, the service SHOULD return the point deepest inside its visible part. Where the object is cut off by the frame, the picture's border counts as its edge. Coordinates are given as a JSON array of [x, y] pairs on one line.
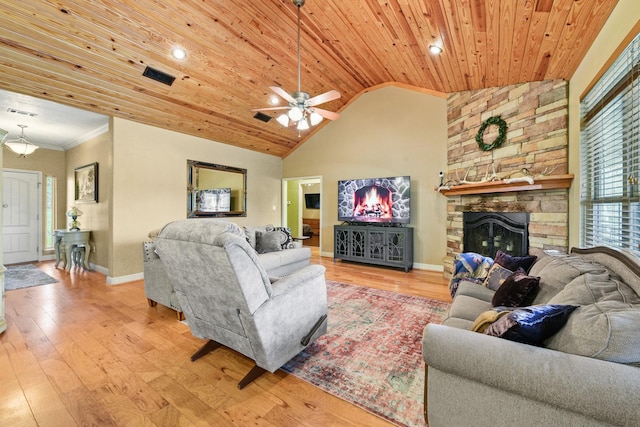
[[502, 133]]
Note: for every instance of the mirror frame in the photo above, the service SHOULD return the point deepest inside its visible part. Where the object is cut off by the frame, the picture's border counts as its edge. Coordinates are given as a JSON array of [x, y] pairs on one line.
[[193, 170]]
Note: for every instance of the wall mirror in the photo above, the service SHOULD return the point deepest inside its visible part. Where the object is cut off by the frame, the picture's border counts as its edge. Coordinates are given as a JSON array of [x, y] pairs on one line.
[[215, 190]]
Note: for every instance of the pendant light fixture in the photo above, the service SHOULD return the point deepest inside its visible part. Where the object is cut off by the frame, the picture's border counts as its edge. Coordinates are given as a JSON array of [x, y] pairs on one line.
[[21, 146]]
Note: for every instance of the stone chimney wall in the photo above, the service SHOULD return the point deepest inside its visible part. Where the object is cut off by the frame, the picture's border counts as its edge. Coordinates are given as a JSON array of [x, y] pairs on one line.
[[536, 114]]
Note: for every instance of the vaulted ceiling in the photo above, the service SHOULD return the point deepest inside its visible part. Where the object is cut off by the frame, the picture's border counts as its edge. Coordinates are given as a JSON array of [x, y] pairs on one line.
[[91, 54]]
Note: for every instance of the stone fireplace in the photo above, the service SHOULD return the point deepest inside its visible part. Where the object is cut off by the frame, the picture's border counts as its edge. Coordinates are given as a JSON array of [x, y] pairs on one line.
[[487, 232], [536, 114]]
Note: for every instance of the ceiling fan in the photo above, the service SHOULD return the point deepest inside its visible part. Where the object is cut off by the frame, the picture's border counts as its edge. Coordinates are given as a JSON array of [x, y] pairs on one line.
[[302, 108]]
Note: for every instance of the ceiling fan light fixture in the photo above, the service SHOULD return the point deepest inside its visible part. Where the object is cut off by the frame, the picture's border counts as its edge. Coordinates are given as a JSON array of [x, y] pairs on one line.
[[315, 118], [434, 49], [301, 112], [295, 114], [283, 119], [21, 146], [303, 124]]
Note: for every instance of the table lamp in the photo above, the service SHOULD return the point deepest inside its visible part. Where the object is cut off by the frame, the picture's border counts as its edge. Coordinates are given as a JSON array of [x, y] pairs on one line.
[[74, 213]]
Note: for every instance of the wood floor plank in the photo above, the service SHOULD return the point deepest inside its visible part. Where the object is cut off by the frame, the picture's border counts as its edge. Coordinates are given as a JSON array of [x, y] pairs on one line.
[[14, 408], [187, 403], [86, 410], [169, 416], [81, 352], [121, 408], [49, 410]]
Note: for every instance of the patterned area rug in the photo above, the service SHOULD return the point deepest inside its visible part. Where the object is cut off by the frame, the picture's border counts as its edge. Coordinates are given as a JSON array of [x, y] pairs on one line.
[[25, 276], [371, 355]]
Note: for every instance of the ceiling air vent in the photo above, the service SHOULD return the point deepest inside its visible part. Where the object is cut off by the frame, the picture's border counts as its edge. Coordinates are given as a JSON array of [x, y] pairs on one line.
[[158, 76], [21, 112], [261, 116]]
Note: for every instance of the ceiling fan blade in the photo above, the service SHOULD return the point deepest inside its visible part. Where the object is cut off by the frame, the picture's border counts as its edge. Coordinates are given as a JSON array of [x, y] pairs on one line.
[[282, 93], [271, 109], [325, 97], [327, 114]]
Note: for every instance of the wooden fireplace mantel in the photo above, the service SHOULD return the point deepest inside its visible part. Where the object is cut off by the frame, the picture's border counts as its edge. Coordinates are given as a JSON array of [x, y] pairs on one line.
[[551, 182]]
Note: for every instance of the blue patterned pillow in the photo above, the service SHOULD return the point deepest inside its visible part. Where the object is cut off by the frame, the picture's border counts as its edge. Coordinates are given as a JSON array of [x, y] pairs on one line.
[[531, 325], [469, 266]]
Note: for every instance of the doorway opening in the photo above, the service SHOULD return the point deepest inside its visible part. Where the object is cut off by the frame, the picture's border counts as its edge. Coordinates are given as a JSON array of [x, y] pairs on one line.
[[302, 207]]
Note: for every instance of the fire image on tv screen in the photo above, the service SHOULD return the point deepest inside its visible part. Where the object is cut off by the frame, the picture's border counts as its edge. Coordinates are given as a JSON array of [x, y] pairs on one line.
[[377, 200]]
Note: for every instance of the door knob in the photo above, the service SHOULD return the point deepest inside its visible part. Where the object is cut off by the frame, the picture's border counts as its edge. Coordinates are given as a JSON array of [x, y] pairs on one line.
[[4, 205]]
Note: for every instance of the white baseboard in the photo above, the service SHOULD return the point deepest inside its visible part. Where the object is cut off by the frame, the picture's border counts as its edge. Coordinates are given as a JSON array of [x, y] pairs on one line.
[[430, 267], [124, 279]]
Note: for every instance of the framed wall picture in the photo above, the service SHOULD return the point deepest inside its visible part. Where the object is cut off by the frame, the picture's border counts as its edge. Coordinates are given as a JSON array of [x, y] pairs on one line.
[[86, 183]]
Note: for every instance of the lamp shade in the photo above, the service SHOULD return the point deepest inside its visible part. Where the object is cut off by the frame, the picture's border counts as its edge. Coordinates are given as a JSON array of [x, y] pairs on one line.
[[21, 148], [303, 124], [295, 114], [283, 119], [315, 118]]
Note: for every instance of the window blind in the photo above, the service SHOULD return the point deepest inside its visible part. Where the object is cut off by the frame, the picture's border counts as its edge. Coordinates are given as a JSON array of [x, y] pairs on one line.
[[610, 156]]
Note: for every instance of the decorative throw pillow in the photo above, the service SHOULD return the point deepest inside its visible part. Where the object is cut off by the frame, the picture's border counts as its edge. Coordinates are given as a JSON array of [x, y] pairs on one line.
[[268, 241], [487, 318], [287, 242], [469, 266], [517, 290], [496, 277], [531, 325], [250, 232], [514, 262]]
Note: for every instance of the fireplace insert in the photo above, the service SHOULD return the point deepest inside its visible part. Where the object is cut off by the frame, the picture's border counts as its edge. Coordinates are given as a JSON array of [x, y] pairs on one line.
[[486, 232]]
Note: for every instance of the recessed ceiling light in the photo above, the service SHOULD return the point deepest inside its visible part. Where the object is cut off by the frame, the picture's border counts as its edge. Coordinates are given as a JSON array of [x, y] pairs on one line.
[[274, 100], [178, 53], [435, 49]]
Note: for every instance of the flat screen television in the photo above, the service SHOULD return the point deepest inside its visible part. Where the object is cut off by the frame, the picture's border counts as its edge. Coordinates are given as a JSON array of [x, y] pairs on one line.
[[312, 200], [375, 200]]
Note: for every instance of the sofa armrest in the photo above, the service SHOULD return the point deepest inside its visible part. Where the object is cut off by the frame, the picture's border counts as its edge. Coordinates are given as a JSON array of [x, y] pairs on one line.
[[592, 387], [149, 251], [297, 278], [296, 304]]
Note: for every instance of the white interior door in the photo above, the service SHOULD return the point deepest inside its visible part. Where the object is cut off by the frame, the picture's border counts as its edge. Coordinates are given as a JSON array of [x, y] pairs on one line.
[[20, 219]]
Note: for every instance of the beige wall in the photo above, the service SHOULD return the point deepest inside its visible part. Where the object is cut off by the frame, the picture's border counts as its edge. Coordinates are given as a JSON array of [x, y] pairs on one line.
[[150, 180], [50, 163], [385, 132], [95, 216], [621, 27]]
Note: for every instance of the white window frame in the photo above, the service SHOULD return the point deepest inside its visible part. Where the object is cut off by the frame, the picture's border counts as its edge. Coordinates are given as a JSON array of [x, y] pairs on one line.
[[610, 156]]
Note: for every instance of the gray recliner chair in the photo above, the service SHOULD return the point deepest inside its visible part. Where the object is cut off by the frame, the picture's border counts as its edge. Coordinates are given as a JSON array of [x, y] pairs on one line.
[[228, 298]]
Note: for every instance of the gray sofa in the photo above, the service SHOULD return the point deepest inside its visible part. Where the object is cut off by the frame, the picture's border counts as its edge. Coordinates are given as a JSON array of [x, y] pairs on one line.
[[586, 374], [159, 290]]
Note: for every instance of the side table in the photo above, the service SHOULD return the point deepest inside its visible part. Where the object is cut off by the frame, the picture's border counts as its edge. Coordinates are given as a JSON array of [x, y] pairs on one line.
[[67, 239]]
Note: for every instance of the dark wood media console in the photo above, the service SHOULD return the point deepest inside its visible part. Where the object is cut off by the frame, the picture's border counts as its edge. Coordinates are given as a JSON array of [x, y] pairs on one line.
[[380, 245]]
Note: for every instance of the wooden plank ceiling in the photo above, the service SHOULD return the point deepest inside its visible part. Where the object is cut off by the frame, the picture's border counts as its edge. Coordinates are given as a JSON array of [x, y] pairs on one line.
[[91, 54]]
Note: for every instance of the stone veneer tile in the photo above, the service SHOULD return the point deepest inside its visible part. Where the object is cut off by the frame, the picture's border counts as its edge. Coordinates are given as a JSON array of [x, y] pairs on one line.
[[536, 113]]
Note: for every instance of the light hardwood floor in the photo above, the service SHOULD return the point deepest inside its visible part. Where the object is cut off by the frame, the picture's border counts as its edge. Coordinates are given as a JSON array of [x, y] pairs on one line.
[[81, 353]]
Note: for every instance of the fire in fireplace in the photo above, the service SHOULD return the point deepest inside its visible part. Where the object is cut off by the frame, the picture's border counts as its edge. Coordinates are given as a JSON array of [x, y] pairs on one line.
[[373, 201], [486, 232]]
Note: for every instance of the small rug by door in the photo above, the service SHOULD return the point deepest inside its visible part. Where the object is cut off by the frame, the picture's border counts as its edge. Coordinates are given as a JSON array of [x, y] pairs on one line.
[[371, 355], [25, 276]]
